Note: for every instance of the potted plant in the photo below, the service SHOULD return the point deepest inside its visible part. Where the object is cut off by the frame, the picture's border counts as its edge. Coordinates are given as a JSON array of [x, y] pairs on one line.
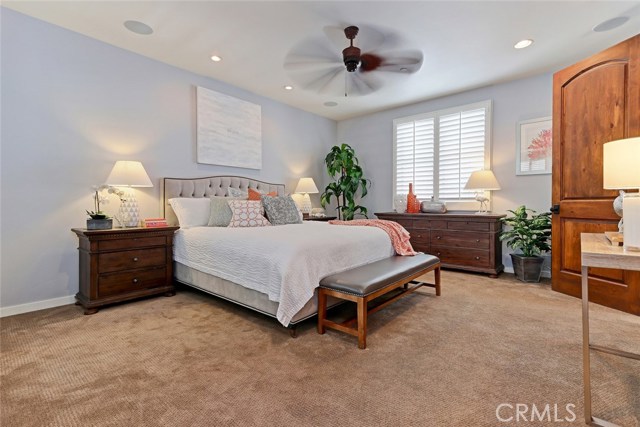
[[99, 220], [342, 166], [530, 233]]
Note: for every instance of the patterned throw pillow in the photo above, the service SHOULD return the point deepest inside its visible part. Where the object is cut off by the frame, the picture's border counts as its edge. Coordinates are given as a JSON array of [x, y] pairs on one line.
[[281, 210], [256, 194], [247, 213], [236, 192], [220, 211]]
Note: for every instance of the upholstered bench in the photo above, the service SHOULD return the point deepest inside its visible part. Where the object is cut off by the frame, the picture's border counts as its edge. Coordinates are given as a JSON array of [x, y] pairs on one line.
[[365, 283]]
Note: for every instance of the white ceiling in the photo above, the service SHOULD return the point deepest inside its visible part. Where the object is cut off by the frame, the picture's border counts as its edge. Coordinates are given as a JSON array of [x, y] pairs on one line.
[[465, 44]]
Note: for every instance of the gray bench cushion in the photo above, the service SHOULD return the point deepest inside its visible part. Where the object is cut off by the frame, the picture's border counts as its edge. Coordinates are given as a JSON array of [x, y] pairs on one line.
[[366, 279]]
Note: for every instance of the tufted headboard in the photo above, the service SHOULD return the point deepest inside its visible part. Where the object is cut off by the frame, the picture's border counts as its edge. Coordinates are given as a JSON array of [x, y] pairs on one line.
[[206, 187]]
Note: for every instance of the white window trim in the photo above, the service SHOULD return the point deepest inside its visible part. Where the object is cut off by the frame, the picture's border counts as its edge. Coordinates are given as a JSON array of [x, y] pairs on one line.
[[470, 205]]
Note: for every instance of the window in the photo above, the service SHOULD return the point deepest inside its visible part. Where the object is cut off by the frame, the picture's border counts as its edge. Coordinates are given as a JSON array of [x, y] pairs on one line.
[[438, 151]]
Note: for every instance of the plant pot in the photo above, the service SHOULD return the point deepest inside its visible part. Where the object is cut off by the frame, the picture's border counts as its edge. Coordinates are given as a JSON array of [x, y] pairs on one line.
[[100, 224], [527, 268]]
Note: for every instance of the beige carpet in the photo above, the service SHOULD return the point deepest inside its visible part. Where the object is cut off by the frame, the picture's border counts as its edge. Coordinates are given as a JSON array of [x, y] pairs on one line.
[[194, 360]]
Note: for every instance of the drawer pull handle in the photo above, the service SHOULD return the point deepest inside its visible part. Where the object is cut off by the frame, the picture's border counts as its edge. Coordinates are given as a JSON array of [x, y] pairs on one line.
[[419, 236], [477, 240], [438, 254], [438, 237], [477, 257], [135, 280], [135, 259]]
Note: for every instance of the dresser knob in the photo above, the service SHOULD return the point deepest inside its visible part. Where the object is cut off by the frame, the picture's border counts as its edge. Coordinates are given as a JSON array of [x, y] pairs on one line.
[[419, 236], [438, 237], [477, 257], [135, 259], [135, 280], [477, 240], [438, 254]]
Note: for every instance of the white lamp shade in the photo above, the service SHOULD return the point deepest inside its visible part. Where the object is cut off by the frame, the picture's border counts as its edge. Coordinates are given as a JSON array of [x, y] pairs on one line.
[[482, 180], [127, 173], [306, 185], [620, 164]]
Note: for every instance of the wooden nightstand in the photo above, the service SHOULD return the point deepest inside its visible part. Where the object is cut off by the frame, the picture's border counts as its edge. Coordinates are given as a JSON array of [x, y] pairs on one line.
[[319, 218], [124, 263]]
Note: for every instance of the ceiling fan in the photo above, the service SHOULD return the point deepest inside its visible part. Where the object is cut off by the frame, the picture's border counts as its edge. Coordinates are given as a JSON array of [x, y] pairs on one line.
[[317, 67]]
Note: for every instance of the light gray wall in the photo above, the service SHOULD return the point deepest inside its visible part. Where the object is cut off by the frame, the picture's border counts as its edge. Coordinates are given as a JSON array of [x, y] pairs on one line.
[[71, 107], [372, 138]]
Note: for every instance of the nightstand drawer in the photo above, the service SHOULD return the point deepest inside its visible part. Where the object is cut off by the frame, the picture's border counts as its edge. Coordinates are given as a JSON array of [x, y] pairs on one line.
[[127, 260], [460, 239], [130, 281], [131, 243], [466, 257]]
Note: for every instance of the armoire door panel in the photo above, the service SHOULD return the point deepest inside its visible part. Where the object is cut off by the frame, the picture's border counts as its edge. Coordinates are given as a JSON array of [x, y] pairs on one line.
[[595, 101]]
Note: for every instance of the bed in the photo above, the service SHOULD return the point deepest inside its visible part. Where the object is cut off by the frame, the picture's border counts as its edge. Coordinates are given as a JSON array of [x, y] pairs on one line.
[[273, 270]]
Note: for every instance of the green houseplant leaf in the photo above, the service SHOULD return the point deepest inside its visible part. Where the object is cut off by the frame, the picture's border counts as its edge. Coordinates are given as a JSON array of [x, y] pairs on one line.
[[530, 232], [343, 168]]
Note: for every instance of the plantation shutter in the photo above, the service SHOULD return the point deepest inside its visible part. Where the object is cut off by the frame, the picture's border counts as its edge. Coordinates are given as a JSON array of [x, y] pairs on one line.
[[461, 148], [438, 151]]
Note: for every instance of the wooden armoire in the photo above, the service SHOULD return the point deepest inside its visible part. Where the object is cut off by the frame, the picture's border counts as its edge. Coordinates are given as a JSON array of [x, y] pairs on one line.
[[595, 101]]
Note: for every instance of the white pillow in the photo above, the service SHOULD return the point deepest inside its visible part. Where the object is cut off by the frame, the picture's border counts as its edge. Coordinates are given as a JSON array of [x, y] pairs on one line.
[[191, 212]]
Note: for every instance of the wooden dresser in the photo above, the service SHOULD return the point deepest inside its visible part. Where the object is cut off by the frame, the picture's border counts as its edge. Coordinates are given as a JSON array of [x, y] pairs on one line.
[[124, 263], [463, 241]]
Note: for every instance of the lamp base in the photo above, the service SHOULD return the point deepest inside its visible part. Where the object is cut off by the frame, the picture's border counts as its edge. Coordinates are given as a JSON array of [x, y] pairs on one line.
[[129, 213], [305, 204]]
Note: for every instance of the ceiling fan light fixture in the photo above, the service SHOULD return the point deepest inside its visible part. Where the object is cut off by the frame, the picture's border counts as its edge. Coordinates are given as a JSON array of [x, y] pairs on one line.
[[523, 43], [216, 58]]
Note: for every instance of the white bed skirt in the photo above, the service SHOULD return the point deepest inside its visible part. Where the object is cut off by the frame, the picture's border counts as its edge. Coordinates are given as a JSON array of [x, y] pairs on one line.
[[238, 294]]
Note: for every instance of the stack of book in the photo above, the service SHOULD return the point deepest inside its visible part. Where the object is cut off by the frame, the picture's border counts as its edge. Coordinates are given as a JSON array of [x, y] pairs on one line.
[[154, 222]]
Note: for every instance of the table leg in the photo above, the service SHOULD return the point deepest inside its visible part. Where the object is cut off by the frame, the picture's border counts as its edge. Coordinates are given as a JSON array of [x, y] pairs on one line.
[[586, 362]]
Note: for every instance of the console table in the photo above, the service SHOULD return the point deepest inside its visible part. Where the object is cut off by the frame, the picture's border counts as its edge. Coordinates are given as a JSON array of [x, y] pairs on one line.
[[597, 252], [462, 240]]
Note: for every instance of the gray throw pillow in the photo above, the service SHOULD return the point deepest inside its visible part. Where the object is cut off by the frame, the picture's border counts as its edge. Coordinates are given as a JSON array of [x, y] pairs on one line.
[[281, 210], [220, 211]]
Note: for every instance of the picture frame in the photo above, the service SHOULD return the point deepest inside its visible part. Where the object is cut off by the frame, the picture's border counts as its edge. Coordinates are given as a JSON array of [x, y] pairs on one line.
[[534, 146]]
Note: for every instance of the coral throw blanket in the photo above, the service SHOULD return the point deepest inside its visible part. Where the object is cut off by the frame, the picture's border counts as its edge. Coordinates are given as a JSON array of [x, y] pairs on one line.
[[397, 233]]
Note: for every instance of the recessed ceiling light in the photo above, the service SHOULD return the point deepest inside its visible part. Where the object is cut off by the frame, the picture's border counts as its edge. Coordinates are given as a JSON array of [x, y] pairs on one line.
[[610, 24], [330, 104], [523, 43], [288, 87], [216, 58], [138, 27]]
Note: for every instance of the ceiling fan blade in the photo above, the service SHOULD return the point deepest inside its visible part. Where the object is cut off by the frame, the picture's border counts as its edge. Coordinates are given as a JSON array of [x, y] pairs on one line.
[[369, 62], [308, 63], [362, 84], [319, 81], [399, 62]]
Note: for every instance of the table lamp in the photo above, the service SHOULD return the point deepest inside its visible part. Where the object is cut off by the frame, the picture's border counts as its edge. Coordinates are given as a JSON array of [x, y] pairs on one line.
[[620, 172], [481, 181], [305, 187], [126, 173]]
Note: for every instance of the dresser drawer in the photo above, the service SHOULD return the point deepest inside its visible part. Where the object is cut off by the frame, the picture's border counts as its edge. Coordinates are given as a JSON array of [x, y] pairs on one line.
[[131, 243], [130, 281], [420, 236], [406, 223], [465, 257], [460, 239], [468, 225], [128, 260]]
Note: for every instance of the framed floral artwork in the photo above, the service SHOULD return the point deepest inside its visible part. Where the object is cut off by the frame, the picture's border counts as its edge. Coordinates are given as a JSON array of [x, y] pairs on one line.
[[533, 147]]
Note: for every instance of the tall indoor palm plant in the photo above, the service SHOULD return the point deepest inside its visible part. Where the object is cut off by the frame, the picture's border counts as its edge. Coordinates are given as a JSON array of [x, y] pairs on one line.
[[342, 166]]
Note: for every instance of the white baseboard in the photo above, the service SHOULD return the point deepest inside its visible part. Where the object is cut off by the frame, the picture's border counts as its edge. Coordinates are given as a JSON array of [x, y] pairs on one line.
[[35, 306]]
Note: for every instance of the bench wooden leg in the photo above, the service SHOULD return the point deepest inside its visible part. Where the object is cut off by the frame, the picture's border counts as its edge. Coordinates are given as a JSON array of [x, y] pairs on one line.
[[436, 272], [362, 323], [322, 310]]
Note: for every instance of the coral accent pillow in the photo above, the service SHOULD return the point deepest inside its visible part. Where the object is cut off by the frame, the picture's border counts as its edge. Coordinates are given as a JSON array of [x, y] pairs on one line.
[[256, 195], [247, 213]]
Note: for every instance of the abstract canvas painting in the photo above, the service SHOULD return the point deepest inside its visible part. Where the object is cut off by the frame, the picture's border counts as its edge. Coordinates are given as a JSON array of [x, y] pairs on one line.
[[534, 147], [229, 130]]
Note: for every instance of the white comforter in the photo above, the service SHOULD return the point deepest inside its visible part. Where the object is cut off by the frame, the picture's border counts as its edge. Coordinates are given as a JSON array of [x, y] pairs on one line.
[[285, 262]]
